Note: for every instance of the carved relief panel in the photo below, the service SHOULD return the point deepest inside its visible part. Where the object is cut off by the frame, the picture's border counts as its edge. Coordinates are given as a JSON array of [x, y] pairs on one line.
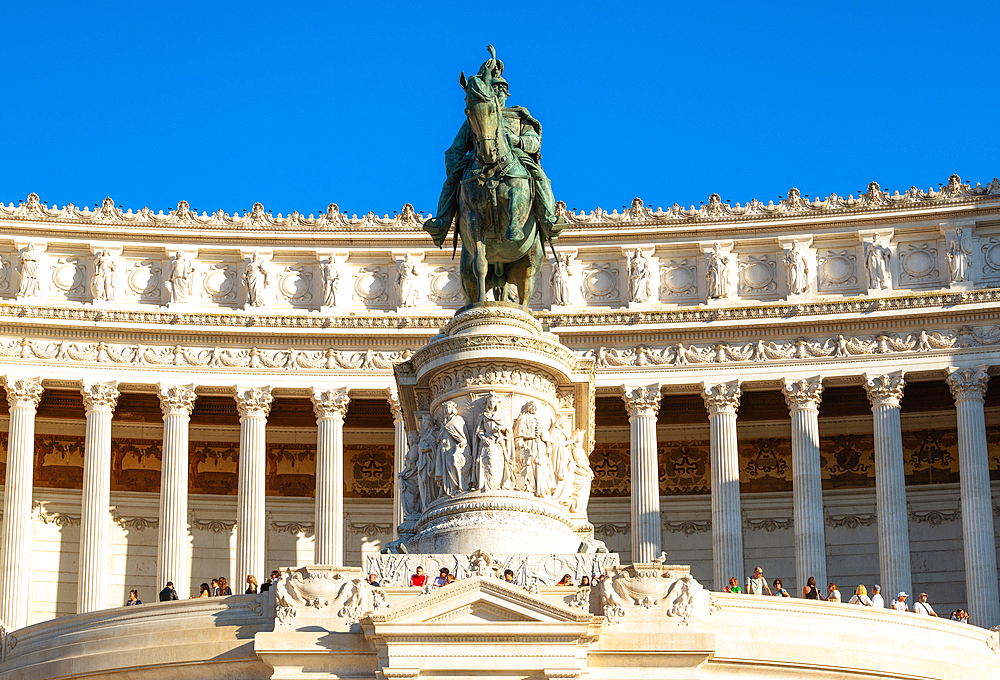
[[8, 275], [141, 279], [295, 283], [601, 283], [679, 279], [444, 286], [838, 270], [989, 255], [69, 276], [758, 277], [218, 282], [371, 286], [919, 264]]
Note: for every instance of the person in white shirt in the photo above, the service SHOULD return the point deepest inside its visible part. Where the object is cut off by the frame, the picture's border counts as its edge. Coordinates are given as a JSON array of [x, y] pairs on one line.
[[877, 600], [442, 578], [900, 604], [861, 596], [832, 594], [922, 607]]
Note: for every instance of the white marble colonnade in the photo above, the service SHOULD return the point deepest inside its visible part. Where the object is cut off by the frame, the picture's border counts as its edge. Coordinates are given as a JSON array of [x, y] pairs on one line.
[[886, 393], [100, 400], [330, 407], [23, 395], [803, 398], [173, 555], [968, 386], [643, 404], [722, 401]]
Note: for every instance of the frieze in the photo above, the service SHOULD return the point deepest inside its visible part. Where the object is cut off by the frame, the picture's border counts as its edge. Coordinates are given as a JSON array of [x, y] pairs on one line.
[[492, 374], [687, 527], [768, 524], [934, 517], [761, 351], [216, 526], [201, 357]]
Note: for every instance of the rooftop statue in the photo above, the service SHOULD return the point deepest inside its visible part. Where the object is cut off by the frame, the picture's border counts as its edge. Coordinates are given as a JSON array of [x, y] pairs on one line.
[[497, 191]]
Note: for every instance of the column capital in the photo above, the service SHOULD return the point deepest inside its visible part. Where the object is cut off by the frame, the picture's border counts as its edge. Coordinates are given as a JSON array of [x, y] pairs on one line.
[[176, 399], [968, 383], [392, 396], [721, 397], [885, 390], [23, 392], [330, 403], [805, 393], [100, 396], [641, 400], [253, 401]]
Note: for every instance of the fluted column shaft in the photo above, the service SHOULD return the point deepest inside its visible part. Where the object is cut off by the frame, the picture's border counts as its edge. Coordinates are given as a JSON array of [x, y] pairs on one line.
[[330, 407], [100, 400], [643, 404], [254, 404], [173, 554], [885, 393], [968, 386], [722, 401], [399, 458], [23, 395], [803, 398]]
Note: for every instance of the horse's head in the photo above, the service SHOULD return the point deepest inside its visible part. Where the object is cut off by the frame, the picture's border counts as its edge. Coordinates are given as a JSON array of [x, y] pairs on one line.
[[484, 111]]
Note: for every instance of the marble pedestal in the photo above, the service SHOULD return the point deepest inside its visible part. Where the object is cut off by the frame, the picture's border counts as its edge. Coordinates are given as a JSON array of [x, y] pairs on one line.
[[505, 418]]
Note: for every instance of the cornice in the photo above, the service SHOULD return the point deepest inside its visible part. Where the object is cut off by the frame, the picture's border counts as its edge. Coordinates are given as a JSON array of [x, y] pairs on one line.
[[715, 215]]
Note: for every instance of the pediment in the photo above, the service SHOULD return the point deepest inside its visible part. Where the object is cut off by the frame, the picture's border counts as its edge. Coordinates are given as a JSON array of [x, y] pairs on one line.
[[480, 600]]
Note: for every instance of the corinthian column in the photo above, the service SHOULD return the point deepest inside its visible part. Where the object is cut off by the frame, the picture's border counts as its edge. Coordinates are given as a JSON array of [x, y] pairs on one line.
[[330, 407], [803, 397], [722, 401], [254, 404], [23, 395], [968, 386], [885, 392], [399, 457], [100, 400], [643, 403], [173, 558]]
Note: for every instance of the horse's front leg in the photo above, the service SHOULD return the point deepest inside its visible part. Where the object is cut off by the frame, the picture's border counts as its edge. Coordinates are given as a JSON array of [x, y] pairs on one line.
[[480, 266]]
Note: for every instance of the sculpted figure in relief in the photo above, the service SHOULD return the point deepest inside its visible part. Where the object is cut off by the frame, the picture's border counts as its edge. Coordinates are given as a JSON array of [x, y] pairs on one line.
[[717, 272], [640, 271], [255, 279], [453, 463], [582, 474], [409, 478], [29, 272], [406, 282], [427, 461], [877, 263], [533, 473], [959, 256], [560, 280], [331, 277], [181, 278], [561, 458], [797, 270], [102, 283], [492, 446]]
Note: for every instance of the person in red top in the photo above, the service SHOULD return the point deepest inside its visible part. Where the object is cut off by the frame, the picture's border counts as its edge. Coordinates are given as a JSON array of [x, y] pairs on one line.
[[419, 579]]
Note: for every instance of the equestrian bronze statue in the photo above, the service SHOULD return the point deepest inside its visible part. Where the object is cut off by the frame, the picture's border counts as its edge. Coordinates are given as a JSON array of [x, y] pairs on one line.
[[497, 191]]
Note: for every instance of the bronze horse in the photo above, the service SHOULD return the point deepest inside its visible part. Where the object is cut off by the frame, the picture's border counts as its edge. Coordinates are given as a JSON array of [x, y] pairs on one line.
[[502, 243]]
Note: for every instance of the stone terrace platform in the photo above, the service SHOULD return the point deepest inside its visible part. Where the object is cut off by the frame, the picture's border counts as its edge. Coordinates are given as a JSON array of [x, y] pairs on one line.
[[480, 627]]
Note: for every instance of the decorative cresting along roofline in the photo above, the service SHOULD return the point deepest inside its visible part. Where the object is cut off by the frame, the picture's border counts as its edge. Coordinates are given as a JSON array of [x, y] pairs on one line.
[[873, 200]]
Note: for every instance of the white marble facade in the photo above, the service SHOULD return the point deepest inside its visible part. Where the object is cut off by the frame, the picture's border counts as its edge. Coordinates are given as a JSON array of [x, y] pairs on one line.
[[900, 288]]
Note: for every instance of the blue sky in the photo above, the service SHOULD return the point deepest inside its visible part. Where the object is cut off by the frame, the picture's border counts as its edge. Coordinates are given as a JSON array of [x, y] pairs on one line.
[[297, 105]]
